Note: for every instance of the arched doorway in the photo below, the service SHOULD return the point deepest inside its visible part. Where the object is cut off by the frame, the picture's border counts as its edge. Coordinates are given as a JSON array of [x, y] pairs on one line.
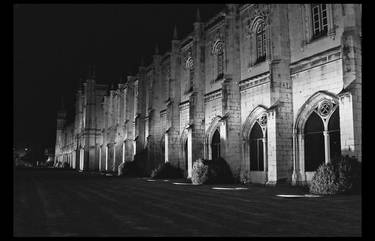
[[215, 145], [316, 135], [314, 142], [256, 148]]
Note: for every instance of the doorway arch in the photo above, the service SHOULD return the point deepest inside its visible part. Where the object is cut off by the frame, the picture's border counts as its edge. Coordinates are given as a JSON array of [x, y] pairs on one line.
[[316, 135], [215, 145], [314, 141], [256, 148]]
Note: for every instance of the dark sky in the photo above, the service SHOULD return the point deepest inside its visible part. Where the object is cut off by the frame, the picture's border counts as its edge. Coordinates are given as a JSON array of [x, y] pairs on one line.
[[55, 44]]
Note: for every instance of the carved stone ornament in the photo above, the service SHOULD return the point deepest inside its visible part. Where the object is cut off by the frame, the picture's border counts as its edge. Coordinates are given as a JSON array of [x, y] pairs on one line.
[[217, 44], [263, 120], [260, 14], [189, 62], [325, 108]]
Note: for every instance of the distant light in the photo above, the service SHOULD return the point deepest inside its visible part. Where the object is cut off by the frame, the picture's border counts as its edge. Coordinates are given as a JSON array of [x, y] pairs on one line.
[[26, 149]]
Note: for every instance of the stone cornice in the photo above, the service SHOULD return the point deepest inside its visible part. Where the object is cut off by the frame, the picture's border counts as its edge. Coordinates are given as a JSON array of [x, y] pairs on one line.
[[315, 60], [184, 105], [254, 81], [163, 113], [216, 94]]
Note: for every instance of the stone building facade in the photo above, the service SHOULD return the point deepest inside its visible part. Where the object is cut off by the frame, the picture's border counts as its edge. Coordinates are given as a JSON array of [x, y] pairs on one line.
[[273, 89]]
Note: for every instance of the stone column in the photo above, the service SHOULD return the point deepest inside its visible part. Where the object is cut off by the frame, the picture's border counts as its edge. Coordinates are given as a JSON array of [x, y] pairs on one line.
[[81, 159], [205, 148], [301, 157], [123, 152], [295, 168], [74, 160], [106, 157], [244, 162], [189, 150], [166, 147], [100, 158], [326, 147], [114, 158], [264, 142]]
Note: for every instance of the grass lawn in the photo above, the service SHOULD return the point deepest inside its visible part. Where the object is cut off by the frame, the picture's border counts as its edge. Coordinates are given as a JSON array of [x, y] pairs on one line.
[[67, 203]]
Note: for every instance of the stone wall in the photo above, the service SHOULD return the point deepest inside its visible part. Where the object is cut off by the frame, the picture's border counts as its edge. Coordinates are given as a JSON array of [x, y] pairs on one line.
[[181, 97]]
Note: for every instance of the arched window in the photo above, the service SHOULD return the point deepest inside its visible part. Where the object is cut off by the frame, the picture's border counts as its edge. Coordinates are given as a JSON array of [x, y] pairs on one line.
[[215, 145], [319, 20], [220, 60], [256, 148], [314, 142], [261, 42]]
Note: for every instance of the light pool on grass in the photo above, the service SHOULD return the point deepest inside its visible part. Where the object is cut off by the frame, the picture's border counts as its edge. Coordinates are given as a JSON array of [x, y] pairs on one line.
[[230, 188]]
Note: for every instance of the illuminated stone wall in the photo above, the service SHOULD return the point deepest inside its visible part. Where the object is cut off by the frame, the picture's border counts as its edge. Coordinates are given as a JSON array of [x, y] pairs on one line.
[[170, 109]]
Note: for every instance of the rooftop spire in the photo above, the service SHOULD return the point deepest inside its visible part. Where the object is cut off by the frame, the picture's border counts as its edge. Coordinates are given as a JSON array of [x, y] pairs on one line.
[[198, 18], [175, 33], [156, 49]]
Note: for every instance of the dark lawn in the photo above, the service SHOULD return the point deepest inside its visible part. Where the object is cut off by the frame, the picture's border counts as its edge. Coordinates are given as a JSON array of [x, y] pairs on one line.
[[67, 203]]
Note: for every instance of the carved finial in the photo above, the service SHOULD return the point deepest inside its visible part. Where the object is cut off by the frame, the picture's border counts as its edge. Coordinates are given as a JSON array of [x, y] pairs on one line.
[[198, 18], [175, 33]]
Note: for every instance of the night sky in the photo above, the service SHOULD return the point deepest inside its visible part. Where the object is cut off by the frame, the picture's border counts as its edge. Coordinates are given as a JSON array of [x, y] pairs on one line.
[[55, 44]]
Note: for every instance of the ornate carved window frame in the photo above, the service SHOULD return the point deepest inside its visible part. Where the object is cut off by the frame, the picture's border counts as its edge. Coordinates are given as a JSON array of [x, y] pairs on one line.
[[259, 16], [308, 24], [189, 66]]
